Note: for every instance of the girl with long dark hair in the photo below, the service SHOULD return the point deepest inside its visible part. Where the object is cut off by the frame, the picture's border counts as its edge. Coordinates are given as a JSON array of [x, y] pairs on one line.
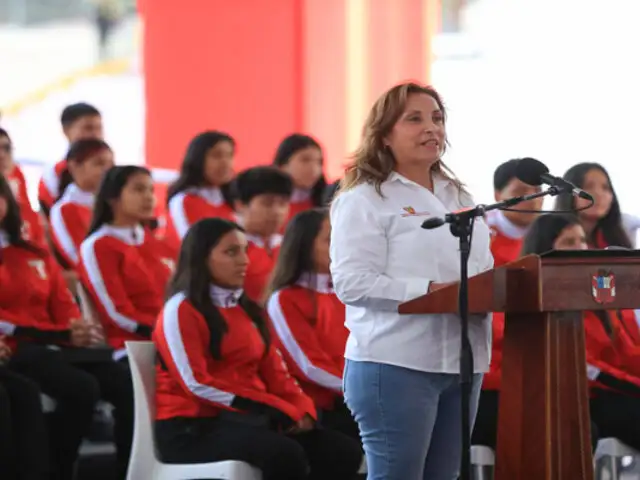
[[202, 190], [32, 228], [124, 266], [223, 391], [43, 325], [87, 161], [301, 156], [603, 221], [308, 318]]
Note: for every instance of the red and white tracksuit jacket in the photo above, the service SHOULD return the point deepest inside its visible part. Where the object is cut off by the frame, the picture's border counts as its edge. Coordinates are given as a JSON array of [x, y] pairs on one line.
[[126, 270], [308, 322], [190, 382]]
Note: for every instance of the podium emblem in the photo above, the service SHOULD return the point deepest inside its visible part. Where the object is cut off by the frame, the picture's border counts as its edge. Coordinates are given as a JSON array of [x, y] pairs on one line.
[[603, 287]]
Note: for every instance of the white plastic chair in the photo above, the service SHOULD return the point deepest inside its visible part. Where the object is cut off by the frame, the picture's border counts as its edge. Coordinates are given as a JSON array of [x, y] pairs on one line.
[[611, 451], [144, 462], [483, 460]]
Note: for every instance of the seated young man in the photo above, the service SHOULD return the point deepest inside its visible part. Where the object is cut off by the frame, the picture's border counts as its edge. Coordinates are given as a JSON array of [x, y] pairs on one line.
[[508, 228], [79, 121], [262, 203]]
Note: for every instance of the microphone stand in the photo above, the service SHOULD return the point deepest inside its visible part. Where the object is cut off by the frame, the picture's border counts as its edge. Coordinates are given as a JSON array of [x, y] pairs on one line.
[[461, 226]]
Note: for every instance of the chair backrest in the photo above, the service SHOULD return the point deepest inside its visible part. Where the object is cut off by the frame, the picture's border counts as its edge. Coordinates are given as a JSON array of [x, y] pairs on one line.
[[142, 362]]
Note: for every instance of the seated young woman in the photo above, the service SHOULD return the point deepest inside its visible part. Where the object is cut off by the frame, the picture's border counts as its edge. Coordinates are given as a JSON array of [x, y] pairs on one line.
[[546, 233], [308, 318], [203, 188], [123, 265], [24, 452], [223, 391], [87, 161], [41, 320]]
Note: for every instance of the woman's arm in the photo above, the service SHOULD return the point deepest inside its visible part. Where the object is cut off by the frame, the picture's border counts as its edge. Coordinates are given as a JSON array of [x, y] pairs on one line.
[[359, 256]]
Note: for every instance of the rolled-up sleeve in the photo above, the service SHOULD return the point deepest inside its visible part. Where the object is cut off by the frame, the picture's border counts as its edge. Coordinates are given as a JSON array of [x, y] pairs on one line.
[[359, 257]]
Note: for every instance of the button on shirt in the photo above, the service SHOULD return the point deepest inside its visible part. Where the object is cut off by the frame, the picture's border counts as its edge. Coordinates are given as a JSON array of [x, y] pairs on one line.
[[380, 258]]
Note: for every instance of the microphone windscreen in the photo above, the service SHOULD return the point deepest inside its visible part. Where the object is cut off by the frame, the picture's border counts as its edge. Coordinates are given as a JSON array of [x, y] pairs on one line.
[[433, 222], [529, 171]]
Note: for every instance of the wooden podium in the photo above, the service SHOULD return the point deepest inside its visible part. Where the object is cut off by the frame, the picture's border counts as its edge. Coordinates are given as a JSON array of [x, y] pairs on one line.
[[543, 425]]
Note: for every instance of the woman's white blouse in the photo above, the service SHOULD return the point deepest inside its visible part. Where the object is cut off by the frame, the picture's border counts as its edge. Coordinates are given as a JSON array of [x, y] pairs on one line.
[[380, 258]]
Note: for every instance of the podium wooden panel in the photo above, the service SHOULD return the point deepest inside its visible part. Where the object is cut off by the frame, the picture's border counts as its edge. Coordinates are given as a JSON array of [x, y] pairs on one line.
[[543, 424]]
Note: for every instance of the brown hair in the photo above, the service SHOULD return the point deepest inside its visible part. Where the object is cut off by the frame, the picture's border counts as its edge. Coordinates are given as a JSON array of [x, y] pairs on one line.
[[373, 162]]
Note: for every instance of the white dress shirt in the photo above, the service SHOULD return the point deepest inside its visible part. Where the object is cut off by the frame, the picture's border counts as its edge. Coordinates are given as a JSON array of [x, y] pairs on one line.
[[380, 258]]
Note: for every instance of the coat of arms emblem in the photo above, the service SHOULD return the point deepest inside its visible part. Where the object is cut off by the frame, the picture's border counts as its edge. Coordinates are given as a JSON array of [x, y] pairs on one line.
[[603, 287]]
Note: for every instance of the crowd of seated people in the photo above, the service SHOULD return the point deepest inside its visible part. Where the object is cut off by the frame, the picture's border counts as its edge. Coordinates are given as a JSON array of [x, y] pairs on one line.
[[237, 297], [612, 337], [94, 235]]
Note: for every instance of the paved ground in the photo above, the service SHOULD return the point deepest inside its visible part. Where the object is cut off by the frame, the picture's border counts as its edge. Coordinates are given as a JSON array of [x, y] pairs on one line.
[[33, 57]]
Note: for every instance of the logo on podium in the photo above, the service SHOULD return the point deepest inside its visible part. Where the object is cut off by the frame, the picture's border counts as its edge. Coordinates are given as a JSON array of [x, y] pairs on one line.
[[603, 287]]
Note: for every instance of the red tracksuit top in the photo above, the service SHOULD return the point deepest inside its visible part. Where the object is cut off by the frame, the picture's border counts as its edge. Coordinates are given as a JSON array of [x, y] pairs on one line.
[[125, 270], [32, 229], [262, 259], [35, 303], [308, 324], [300, 201], [70, 218], [192, 383], [506, 244], [186, 208], [631, 326], [49, 186], [616, 355]]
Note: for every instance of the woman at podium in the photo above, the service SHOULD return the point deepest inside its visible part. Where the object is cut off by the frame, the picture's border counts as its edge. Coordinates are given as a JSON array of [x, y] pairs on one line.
[[401, 379]]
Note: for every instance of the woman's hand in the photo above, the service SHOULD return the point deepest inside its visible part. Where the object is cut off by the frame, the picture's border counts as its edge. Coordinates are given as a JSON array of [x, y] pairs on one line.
[[81, 334], [5, 351]]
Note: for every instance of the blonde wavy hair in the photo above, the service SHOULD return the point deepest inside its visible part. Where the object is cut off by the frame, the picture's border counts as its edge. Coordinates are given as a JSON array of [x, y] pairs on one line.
[[373, 162]]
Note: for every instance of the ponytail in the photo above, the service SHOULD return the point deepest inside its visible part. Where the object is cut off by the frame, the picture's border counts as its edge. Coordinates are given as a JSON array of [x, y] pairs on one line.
[[65, 180]]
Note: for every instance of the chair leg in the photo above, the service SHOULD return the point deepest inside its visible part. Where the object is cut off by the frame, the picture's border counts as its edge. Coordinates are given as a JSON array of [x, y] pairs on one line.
[[480, 472], [613, 467]]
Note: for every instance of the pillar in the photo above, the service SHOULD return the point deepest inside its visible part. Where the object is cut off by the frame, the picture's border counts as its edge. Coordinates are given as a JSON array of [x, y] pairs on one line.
[[261, 69]]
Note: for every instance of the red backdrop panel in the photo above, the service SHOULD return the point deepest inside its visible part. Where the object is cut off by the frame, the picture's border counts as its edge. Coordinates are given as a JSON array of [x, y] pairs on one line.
[[261, 69]]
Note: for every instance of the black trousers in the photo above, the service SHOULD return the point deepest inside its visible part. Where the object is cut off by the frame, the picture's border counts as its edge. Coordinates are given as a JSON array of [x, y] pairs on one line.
[[485, 430], [616, 415], [76, 388], [319, 454], [340, 420], [24, 450]]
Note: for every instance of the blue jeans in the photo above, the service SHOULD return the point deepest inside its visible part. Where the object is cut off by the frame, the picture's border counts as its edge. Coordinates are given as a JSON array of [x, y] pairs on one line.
[[409, 420]]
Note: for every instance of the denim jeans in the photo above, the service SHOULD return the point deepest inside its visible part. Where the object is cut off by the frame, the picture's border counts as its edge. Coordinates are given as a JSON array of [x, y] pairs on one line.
[[409, 420]]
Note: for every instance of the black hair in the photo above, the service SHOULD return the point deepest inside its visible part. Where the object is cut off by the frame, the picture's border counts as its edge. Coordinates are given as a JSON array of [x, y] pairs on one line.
[[79, 152], [76, 111], [12, 221], [193, 278], [288, 147], [505, 173], [256, 181], [296, 249], [192, 168], [113, 182], [610, 226], [544, 231], [330, 192]]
